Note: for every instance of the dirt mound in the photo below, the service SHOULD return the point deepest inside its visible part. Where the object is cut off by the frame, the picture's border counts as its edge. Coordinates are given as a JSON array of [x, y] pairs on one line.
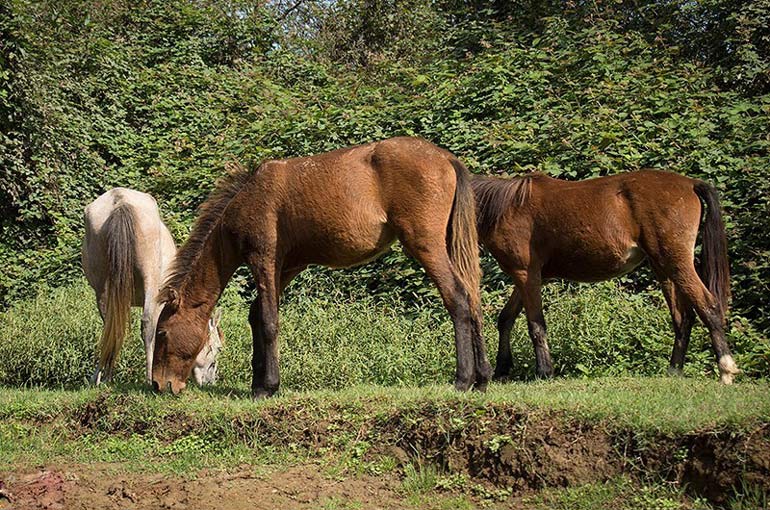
[[709, 464], [500, 444], [521, 451]]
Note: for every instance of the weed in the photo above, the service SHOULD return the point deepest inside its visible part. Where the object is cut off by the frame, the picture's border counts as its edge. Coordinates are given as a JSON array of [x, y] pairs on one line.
[[335, 503], [749, 497], [491, 493], [497, 442], [419, 478]]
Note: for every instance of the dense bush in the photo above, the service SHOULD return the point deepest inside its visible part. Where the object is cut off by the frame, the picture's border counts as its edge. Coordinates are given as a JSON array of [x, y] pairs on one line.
[[159, 95], [327, 341]]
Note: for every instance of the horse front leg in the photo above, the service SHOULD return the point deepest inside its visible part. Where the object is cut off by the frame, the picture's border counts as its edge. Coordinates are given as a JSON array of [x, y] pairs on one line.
[[150, 315], [530, 283], [263, 319], [505, 322]]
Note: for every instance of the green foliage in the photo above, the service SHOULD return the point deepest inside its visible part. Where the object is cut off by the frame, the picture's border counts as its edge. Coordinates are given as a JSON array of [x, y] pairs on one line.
[[159, 96]]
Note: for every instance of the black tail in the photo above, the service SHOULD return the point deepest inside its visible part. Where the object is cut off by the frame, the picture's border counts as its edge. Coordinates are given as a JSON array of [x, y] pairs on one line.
[[715, 266]]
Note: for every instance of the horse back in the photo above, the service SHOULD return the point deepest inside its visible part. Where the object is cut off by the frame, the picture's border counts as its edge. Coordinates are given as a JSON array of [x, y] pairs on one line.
[[598, 228], [343, 207], [152, 245]]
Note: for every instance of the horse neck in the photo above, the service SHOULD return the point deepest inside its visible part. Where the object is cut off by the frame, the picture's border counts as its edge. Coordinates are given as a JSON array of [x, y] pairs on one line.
[[211, 272]]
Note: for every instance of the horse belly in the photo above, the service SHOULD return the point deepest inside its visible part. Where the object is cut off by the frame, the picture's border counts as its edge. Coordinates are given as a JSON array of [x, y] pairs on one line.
[[594, 266], [357, 240]]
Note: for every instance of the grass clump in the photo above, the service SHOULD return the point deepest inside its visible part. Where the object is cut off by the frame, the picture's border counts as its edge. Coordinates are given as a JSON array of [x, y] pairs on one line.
[[618, 494], [337, 340]]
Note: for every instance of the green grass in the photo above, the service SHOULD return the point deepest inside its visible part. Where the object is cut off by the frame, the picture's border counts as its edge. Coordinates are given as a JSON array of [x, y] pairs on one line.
[[135, 430], [331, 341], [419, 478], [617, 494], [650, 404]]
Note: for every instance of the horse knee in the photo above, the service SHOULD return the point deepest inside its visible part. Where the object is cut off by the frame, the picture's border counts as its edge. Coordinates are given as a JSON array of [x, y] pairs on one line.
[[503, 321], [537, 331], [270, 328]]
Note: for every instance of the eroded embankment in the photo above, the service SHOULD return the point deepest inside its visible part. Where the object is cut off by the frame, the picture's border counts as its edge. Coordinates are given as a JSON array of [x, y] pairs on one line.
[[510, 446]]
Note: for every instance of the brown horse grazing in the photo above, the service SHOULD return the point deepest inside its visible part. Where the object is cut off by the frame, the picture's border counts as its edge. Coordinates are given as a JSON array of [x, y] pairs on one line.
[[337, 209], [539, 228]]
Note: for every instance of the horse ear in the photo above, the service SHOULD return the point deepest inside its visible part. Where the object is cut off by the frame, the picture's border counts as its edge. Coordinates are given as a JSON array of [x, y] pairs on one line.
[[173, 299], [216, 317]]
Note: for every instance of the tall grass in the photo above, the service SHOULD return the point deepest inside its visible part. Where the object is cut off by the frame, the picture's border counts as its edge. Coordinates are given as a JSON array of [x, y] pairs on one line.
[[332, 340]]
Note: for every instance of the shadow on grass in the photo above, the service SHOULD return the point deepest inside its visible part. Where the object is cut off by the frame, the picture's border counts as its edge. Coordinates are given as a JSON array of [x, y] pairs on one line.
[[211, 390]]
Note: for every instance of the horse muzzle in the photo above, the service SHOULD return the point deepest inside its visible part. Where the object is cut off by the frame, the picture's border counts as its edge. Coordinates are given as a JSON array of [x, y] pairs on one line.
[[163, 384]]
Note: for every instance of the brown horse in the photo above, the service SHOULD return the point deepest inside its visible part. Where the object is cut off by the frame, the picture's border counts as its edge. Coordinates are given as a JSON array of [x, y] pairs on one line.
[[337, 209], [539, 228]]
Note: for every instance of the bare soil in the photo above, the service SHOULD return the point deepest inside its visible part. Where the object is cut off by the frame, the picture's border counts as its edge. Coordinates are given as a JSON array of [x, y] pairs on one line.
[[76, 487], [496, 446]]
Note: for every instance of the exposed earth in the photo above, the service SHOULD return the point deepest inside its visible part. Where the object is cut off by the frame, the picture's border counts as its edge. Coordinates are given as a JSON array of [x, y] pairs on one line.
[[80, 487]]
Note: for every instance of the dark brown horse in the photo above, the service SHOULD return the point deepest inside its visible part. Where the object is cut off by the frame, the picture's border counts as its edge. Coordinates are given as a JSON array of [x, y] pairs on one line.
[[539, 228], [337, 209]]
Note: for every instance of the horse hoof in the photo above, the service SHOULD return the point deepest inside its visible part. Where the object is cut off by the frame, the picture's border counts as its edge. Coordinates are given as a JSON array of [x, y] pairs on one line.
[[481, 387], [262, 393], [726, 379], [675, 372], [727, 369], [462, 385], [501, 376]]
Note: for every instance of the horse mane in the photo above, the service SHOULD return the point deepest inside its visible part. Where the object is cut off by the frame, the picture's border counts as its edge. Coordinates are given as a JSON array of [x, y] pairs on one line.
[[209, 214], [494, 195]]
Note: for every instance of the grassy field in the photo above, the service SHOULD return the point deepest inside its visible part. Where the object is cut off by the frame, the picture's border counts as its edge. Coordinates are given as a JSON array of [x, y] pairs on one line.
[[331, 340], [367, 418], [424, 444]]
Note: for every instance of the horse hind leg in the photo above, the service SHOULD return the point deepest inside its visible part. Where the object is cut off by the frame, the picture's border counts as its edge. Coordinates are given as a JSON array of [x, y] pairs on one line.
[[505, 322], [682, 318], [472, 363], [689, 284]]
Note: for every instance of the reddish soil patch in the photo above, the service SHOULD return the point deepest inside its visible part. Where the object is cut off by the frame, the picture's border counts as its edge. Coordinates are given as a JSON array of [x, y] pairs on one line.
[[80, 487], [42, 490]]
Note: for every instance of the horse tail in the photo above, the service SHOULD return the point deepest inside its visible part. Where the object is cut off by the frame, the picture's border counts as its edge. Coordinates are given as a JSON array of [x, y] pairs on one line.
[[462, 237], [119, 286], [715, 266]]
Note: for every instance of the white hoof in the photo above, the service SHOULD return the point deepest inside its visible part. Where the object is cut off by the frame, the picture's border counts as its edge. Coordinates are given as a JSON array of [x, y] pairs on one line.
[[96, 378], [675, 372], [727, 369]]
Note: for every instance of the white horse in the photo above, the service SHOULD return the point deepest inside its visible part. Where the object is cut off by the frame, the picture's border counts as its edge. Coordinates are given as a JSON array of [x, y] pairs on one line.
[[125, 254]]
